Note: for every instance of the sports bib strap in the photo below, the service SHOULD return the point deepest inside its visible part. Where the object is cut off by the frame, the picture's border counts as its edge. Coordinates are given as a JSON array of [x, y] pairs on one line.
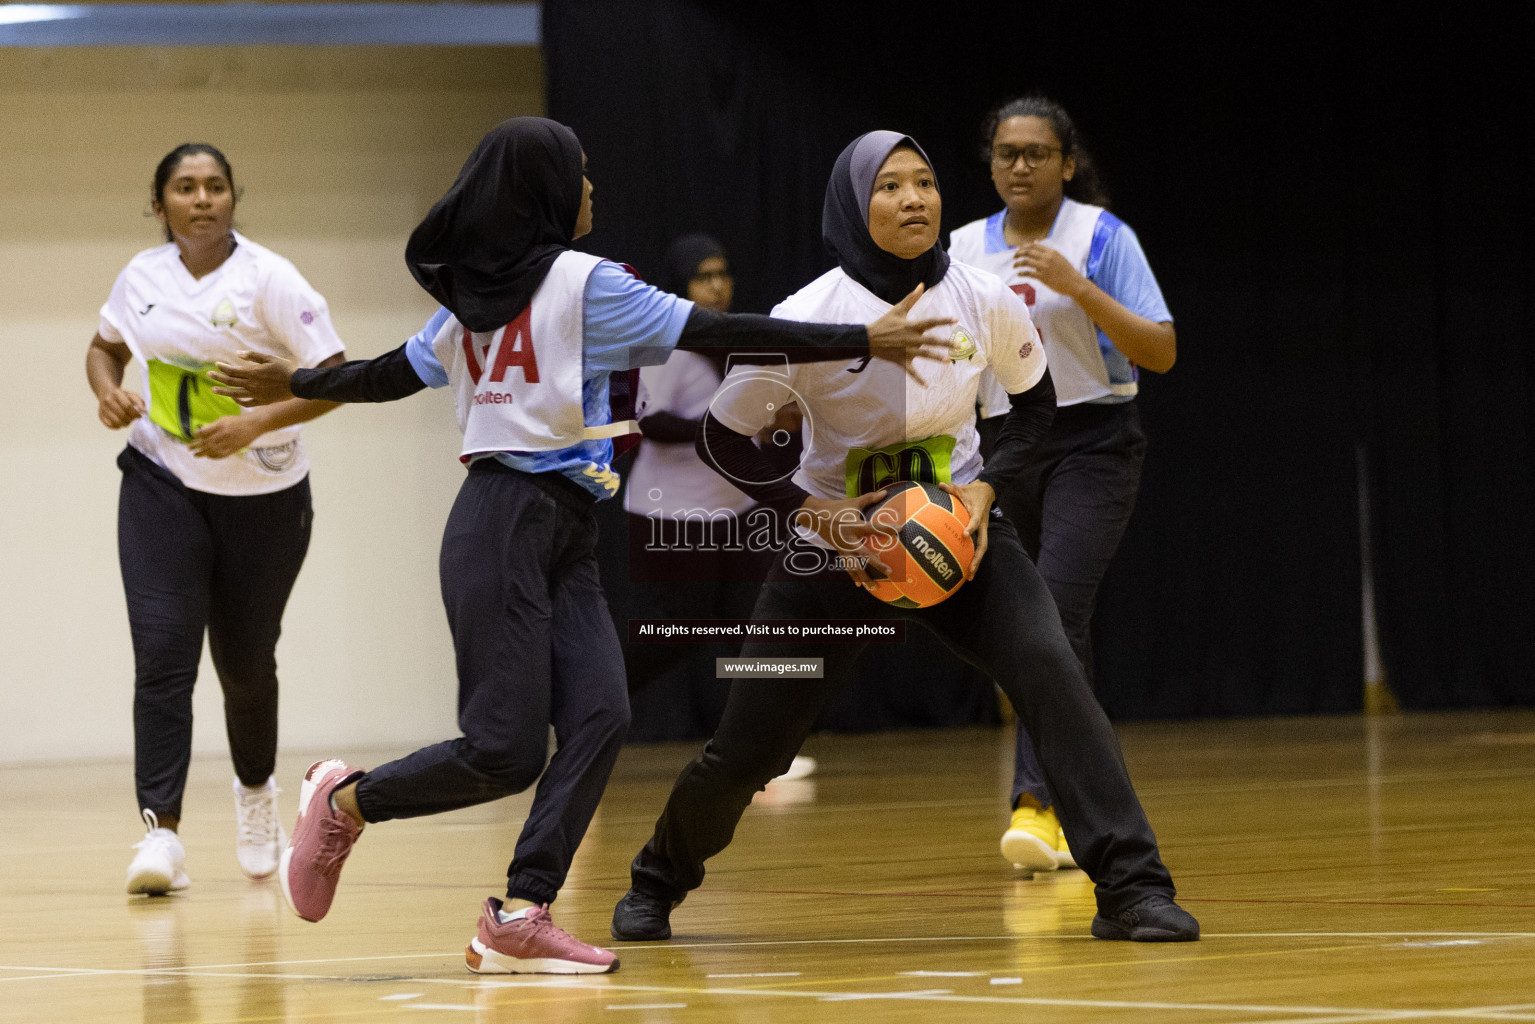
[[608, 430], [181, 400], [925, 462]]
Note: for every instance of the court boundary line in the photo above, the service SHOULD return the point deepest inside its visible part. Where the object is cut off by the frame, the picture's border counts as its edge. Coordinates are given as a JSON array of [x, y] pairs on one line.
[[43, 972], [1306, 1014]]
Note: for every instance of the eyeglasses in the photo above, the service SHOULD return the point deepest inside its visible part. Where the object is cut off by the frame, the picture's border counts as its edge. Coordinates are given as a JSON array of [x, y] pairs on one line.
[[1034, 155]]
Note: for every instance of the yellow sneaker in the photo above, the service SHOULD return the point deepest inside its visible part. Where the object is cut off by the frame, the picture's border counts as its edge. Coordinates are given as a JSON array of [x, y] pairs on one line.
[[1063, 857], [1029, 842]]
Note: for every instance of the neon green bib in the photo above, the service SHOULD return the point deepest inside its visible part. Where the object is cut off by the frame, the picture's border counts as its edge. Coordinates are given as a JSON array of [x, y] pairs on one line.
[[925, 461], [182, 401]]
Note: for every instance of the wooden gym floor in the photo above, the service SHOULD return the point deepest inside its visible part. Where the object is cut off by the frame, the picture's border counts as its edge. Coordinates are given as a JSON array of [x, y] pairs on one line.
[[1344, 869]]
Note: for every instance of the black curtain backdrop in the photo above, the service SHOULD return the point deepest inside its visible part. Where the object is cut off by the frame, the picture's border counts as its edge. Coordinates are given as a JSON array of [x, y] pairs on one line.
[[1339, 214], [1441, 290]]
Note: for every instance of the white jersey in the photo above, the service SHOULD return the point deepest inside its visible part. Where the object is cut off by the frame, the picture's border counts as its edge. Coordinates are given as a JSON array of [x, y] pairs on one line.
[[1084, 366], [178, 326], [668, 478], [519, 388], [866, 423]]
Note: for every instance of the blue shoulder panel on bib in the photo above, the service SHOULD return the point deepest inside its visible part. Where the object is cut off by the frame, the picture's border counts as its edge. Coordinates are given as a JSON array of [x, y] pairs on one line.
[[1105, 229], [995, 240]]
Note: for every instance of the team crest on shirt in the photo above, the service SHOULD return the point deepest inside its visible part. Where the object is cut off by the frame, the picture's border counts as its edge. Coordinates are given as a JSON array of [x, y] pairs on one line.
[[224, 314], [961, 345], [277, 457]]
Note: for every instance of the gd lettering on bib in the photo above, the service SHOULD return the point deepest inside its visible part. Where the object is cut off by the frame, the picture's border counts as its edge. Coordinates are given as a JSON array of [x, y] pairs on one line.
[[924, 462], [181, 399]]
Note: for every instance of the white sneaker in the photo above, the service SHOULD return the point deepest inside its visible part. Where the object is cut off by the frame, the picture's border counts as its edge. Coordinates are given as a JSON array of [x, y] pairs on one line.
[[160, 866], [261, 839]]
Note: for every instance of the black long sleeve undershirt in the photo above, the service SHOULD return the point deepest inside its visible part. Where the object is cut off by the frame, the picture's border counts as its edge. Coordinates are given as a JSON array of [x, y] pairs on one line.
[[708, 329], [737, 459], [382, 379], [390, 376], [668, 427], [1028, 421]]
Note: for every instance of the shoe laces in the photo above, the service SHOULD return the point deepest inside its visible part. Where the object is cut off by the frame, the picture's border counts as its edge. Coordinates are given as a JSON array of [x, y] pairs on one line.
[[258, 816], [154, 834], [336, 841], [537, 920]]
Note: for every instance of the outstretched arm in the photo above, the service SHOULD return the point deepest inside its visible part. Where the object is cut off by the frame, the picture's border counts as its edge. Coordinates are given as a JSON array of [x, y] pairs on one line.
[[892, 337], [627, 323], [259, 379], [229, 434]]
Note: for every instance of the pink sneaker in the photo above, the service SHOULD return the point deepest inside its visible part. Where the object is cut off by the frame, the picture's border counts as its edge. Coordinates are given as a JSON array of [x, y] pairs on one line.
[[322, 838], [531, 944]]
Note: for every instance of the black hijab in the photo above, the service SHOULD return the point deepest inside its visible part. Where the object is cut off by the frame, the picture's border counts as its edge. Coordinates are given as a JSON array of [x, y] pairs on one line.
[[845, 222], [683, 259], [488, 244]]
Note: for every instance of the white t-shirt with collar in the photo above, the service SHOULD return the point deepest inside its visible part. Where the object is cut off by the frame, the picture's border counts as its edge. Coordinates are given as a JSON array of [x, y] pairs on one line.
[[871, 404], [177, 326]]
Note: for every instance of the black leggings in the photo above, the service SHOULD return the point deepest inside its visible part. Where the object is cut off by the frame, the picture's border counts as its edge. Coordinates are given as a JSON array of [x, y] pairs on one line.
[[191, 562], [1071, 506], [1004, 623], [535, 646]]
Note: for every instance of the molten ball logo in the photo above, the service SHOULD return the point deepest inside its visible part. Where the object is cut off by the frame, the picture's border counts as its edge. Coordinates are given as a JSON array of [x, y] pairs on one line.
[[934, 556]]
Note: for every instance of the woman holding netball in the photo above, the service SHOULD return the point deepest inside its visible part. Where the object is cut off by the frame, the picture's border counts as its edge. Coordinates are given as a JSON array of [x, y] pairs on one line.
[[1101, 315], [530, 337], [866, 427], [214, 513]]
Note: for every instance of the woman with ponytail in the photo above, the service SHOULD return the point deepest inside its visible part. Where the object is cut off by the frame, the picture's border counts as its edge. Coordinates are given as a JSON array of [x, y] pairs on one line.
[[1101, 316]]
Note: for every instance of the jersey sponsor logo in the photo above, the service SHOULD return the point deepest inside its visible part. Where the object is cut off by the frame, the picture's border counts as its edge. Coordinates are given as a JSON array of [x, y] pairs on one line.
[[146, 309], [1025, 349], [961, 345], [224, 314], [306, 318]]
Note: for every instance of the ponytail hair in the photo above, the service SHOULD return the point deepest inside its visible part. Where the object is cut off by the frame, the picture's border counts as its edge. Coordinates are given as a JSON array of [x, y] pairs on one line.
[[1086, 185]]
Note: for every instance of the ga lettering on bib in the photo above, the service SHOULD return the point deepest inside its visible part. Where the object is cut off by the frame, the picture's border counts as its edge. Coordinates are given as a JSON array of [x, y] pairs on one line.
[[925, 462]]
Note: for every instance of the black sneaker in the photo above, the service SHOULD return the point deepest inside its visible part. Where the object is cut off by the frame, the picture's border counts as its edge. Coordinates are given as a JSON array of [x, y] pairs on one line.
[[1153, 919], [641, 917]]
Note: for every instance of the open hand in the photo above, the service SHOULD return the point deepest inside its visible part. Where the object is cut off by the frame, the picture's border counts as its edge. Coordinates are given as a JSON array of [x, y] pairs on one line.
[[257, 379], [976, 496], [897, 339]]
